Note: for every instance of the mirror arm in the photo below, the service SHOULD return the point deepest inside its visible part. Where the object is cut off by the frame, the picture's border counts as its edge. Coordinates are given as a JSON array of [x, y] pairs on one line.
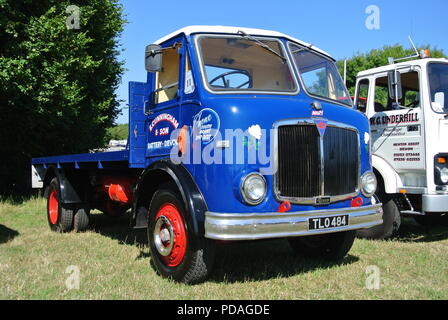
[[175, 45], [396, 87]]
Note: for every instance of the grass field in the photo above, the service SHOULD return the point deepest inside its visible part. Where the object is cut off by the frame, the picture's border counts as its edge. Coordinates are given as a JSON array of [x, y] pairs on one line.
[[113, 263]]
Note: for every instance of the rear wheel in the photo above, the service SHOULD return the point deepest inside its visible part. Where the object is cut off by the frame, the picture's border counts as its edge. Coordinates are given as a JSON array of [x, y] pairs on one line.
[[175, 252], [60, 217], [81, 219], [332, 246]]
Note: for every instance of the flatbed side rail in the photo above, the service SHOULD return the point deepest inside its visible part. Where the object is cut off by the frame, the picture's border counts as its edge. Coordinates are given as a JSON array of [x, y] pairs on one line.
[[99, 157]]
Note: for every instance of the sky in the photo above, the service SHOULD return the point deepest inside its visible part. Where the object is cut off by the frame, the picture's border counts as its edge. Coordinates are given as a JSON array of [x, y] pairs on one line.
[[340, 27]]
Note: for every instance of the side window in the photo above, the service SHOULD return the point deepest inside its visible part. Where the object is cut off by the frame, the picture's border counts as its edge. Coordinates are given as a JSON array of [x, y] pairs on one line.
[[167, 80], [411, 93], [411, 90], [382, 100], [361, 98], [189, 81]]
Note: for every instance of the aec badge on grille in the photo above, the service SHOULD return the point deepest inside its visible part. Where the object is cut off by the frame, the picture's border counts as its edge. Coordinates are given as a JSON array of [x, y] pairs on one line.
[[323, 200], [321, 126]]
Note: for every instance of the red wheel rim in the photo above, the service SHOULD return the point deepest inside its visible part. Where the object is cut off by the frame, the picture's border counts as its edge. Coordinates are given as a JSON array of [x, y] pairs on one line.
[[170, 235], [53, 207]]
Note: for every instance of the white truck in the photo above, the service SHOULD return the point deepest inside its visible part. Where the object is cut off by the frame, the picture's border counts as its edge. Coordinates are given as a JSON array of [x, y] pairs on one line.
[[407, 105]]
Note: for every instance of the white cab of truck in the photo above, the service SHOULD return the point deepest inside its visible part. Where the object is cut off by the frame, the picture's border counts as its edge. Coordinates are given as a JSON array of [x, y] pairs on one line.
[[407, 104]]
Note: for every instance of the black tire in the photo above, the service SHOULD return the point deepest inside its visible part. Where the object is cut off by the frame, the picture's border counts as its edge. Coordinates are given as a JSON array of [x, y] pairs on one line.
[[59, 215], [81, 220], [391, 220], [191, 258], [332, 246]]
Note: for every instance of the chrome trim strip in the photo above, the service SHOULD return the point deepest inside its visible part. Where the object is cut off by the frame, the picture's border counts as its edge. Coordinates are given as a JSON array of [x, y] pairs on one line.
[[322, 165], [313, 200], [242, 226]]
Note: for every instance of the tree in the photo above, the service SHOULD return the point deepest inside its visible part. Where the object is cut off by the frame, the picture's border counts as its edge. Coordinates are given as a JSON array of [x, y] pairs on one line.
[[57, 80], [118, 132], [376, 58]]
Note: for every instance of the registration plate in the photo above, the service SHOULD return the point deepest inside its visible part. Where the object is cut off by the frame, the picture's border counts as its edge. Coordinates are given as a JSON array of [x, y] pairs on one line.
[[328, 222]]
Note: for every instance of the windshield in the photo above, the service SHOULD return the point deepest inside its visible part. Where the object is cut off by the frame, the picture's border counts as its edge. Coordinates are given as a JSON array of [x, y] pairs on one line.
[[438, 84], [319, 75], [243, 64]]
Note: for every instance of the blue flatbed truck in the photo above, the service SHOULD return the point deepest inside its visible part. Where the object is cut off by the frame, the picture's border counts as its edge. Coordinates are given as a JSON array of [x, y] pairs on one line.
[[237, 134]]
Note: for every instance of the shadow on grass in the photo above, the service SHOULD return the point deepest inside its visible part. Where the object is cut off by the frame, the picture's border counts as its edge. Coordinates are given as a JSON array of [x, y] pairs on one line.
[[7, 234], [234, 262], [118, 228], [411, 231], [18, 199], [264, 260]]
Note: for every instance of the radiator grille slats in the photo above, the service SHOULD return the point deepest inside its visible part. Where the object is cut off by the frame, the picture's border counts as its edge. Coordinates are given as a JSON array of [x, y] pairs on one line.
[[341, 161], [300, 155]]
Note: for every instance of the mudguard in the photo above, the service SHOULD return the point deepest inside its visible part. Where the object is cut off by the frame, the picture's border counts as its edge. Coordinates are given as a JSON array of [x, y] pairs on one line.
[[391, 179], [191, 195], [67, 192]]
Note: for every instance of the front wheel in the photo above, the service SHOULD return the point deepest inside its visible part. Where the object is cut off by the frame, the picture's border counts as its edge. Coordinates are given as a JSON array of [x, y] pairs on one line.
[[391, 221], [175, 252], [332, 246]]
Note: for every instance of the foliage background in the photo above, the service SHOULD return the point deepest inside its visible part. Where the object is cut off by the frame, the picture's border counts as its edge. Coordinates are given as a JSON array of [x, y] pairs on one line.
[[57, 85], [118, 132], [377, 58]]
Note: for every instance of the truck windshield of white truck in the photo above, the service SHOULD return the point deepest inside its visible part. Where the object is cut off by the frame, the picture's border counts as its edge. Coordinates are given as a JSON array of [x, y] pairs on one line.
[[241, 64], [319, 75], [438, 82]]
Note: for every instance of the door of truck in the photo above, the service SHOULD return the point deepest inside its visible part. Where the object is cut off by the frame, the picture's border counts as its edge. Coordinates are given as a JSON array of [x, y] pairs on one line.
[[397, 132], [163, 106]]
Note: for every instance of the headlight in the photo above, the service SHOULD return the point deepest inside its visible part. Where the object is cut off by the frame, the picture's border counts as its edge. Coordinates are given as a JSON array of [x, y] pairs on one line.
[[253, 188], [444, 175], [440, 169], [368, 184]]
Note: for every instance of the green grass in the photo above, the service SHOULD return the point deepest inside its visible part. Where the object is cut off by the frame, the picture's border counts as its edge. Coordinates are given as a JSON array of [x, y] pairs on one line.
[[114, 264]]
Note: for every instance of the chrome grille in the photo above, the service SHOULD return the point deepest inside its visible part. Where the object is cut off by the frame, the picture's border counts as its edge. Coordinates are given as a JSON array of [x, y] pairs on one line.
[[310, 166]]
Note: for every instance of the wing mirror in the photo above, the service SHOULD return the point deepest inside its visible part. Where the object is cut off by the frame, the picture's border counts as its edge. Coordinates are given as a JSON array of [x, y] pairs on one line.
[[394, 84], [153, 58]]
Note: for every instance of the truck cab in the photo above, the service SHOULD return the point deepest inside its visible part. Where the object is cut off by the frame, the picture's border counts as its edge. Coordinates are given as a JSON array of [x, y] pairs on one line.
[[407, 104], [237, 134]]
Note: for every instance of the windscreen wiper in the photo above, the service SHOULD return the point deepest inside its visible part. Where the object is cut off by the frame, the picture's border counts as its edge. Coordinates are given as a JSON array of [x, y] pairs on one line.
[[306, 48], [263, 45]]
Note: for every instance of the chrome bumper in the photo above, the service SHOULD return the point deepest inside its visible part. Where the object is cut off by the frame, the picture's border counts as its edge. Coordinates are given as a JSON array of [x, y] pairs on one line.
[[241, 226]]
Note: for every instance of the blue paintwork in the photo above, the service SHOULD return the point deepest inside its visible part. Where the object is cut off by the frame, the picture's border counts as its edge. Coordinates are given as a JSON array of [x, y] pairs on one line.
[[219, 182]]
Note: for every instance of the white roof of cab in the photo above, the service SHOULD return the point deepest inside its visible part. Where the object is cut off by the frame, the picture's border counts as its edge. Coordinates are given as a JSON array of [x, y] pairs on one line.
[[388, 67], [234, 30]]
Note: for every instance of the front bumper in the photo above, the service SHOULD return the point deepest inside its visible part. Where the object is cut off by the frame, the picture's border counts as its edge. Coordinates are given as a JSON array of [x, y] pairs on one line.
[[241, 226], [435, 202]]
